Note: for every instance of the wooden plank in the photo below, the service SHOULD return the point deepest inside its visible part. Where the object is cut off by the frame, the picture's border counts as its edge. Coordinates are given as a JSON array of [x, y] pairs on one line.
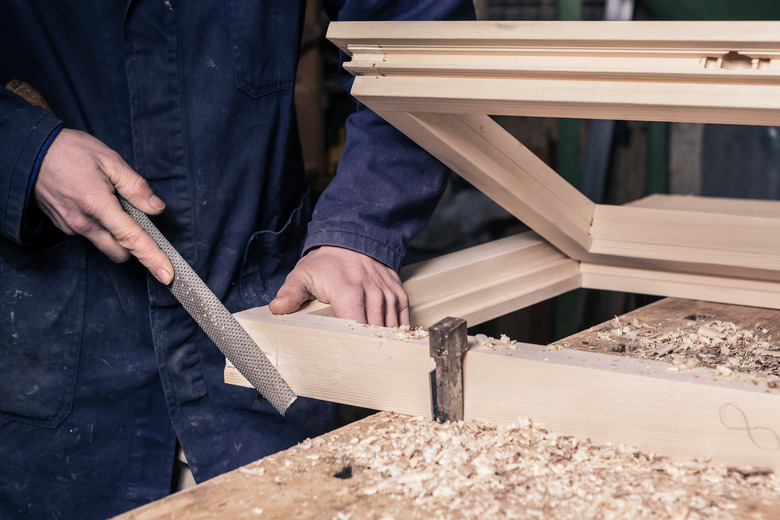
[[483, 264], [646, 71], [720, 205], [751, 104], [483, 153], [607, 398], [517, 291], [742, 244], [551, 63], [622, 400], [675, 35], [724, 289], [343, 361], [486, 281]]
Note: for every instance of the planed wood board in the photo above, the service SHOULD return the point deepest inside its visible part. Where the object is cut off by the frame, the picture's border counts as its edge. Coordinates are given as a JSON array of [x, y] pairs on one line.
[[621, 100], [661, 71], [672, 35], [744, 245], [618, 399], [488, 157], [723, 289], [342, 361], [607, 398]]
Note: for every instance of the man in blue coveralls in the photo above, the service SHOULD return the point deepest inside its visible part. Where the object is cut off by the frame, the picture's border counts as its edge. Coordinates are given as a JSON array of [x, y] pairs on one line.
[[190, 103]]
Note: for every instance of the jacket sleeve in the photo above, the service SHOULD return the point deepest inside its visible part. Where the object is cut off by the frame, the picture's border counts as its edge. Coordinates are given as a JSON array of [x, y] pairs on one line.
[[25, 131], [386, 187]]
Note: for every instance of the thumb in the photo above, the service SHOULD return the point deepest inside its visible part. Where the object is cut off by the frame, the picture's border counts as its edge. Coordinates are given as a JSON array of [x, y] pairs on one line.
[[290, 297]]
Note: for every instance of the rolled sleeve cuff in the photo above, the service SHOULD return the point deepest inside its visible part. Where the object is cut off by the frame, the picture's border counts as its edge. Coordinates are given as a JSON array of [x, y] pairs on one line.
[[33, 219], [22, 179]]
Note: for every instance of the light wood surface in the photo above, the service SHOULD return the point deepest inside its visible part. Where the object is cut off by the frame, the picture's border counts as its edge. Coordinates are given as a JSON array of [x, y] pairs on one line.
[[739, 245], [746, 36], [487, 156], [342, 361], [660, 71], [604, 397], [616, 399]]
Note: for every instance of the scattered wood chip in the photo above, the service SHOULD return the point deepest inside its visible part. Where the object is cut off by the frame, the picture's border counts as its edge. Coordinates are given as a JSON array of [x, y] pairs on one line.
[[476, 470]]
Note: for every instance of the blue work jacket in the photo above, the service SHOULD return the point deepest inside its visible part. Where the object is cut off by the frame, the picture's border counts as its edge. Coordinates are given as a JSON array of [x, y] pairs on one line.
[[102, 369]]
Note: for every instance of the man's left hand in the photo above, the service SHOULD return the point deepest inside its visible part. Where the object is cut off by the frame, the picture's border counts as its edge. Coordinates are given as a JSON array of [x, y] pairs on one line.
[[356, 286]]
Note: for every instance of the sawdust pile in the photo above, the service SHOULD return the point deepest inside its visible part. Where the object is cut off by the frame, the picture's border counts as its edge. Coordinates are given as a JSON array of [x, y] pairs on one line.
[[721, 345], [403, 332], [476, 470]]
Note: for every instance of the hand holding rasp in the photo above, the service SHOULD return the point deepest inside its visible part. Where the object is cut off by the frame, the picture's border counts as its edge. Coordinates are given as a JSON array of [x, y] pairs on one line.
[[198, 300], [217, 322]]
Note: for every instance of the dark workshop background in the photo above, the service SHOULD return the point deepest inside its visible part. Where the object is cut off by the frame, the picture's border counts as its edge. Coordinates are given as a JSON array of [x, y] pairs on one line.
[[612, 162]]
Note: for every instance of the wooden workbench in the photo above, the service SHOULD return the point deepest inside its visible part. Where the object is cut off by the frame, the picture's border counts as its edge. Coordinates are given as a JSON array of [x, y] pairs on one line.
[[394, 466]]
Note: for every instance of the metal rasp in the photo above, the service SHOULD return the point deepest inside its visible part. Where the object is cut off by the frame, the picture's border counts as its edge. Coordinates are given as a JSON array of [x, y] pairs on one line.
[[217, 322]]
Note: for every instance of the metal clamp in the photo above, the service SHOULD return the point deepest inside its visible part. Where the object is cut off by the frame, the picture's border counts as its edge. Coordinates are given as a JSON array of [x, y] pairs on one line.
[[448, 342]]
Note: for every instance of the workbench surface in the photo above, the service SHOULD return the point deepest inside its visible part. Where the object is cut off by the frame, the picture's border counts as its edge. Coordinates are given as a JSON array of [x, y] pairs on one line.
[[390, 466]]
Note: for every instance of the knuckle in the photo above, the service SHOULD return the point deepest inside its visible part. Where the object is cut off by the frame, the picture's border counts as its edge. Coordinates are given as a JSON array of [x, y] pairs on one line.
[[108, 157], [375, 300], [402, 300], [131, 239], [354, 295], [136, 184], [80, 224], [95, 208]]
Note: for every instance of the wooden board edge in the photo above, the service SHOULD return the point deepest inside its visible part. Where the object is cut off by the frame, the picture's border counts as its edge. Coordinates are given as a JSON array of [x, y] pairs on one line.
[[622, 400]]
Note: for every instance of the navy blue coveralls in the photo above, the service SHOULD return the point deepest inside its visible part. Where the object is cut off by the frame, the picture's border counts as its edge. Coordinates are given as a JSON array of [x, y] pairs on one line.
[[101, 369]]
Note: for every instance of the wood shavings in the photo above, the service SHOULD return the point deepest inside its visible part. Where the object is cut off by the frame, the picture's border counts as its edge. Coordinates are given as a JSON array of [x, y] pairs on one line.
[[696, 341], [492, 343], [477, 470], [402, 332]]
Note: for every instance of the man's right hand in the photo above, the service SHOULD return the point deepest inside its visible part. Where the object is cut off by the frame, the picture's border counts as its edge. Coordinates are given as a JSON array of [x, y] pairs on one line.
[[76, 188]]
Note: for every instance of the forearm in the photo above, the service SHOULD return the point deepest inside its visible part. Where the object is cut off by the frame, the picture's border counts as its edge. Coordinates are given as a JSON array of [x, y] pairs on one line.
[[386, 187], [384, 192]]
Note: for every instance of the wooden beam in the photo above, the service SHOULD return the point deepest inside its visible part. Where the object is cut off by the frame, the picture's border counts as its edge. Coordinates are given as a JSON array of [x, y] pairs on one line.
[[655, 71], [342, 361], [722, 289], [565, 35], [721, 205], [607, 398], [483, 303], [622, 400], [708, 241], [487, 156], [623, 100]]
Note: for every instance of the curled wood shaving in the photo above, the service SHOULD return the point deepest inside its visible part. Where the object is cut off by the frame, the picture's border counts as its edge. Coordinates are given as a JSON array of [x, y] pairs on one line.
[[476, 470], [721, 345], [492, 343], [404, 332]]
